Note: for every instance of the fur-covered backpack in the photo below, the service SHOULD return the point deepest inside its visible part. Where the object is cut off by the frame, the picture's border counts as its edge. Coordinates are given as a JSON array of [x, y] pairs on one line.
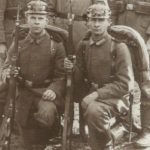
[[139, 54]]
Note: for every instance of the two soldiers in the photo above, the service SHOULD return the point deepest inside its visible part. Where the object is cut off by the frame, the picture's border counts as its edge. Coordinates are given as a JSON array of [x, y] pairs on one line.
[[103, 101], [41, 78]]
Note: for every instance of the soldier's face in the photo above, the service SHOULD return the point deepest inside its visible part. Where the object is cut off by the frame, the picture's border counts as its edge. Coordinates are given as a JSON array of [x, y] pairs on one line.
[[98, 26], [36, 22]]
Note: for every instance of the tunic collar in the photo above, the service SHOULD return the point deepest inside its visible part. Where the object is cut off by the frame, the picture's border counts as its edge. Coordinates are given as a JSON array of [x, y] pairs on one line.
[[42, 37], [99, 42]]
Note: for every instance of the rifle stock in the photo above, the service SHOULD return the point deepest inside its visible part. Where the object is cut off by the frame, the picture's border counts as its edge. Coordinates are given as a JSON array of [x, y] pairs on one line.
[[8, 118]]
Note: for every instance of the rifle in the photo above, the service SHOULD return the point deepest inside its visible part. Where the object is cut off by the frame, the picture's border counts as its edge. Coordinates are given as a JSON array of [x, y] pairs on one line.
[[68, 114], [8, 119]]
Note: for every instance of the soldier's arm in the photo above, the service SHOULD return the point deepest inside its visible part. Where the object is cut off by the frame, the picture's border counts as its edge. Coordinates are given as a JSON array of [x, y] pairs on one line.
[[123, 80], [58, 82]]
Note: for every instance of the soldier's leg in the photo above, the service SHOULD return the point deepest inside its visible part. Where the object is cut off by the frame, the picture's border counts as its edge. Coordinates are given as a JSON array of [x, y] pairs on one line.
[[37, 132], [98, 117], [144, 138], [46, 114]]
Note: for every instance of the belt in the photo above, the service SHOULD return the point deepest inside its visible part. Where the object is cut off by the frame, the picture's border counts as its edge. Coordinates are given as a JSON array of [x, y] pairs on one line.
[[65, 16], [31, 84]]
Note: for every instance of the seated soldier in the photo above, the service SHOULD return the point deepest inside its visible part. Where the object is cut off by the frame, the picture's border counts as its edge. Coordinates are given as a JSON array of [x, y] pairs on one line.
[[105, 67], [41, 78]]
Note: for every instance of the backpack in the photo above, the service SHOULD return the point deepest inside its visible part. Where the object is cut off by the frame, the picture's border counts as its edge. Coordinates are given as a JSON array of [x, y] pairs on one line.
[[139, 54]]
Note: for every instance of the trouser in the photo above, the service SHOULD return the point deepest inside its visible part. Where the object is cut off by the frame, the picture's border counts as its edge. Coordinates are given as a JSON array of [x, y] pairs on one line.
[[36, 132], [99, 116]]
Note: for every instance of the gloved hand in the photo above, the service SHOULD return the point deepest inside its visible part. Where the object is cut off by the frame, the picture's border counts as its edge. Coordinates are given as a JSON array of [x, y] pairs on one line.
[[49, 95]]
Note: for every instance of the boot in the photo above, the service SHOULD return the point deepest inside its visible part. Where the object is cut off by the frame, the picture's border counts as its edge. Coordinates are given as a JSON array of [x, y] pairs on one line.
[[144, 138]]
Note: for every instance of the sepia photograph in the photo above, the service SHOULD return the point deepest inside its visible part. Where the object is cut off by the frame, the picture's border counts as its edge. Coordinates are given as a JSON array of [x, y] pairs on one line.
[[74, 75]]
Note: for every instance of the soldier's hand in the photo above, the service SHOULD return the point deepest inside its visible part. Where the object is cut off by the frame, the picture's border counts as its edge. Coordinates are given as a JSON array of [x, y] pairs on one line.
[[49, 95], [68, 64], [12, 72], [88, 99]]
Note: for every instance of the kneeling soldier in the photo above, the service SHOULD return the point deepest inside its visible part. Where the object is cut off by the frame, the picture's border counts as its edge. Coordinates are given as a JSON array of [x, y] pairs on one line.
[[41, 77], [105, 67]]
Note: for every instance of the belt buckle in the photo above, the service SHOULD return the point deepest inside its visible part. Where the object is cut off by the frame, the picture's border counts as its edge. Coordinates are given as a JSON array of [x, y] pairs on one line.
[[129, 7]]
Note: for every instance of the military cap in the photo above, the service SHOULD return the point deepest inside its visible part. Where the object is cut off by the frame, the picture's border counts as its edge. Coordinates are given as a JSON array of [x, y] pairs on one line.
[[36, 7], [98, 10]]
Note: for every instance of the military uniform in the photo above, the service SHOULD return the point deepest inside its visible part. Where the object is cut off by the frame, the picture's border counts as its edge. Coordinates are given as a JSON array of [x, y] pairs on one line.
[[8, 11], [41, 68], [133, 13], [105, 67]]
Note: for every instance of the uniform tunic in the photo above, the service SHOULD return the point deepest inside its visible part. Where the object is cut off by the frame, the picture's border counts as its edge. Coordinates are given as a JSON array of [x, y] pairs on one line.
[[39, 61], [110, 68]]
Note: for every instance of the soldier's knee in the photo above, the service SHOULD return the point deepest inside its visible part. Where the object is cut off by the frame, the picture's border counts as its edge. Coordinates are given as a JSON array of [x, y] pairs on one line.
[[47, 113], [93, 112], [97, 116]]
